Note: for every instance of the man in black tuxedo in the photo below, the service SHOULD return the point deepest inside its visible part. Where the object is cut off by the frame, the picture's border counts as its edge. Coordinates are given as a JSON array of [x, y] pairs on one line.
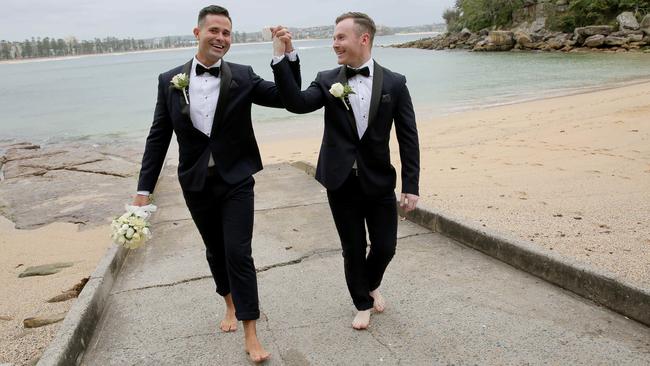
[[354, 160], [218, 155]]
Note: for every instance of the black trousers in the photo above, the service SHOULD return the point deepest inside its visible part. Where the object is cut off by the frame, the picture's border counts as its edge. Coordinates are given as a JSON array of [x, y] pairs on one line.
[[352, 211], [223, 214]]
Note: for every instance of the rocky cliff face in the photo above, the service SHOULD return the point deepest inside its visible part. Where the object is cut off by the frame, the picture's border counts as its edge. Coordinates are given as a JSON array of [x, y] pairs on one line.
[[533, 16]]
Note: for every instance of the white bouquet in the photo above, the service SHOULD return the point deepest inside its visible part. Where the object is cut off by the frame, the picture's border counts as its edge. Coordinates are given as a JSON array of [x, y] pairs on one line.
[[131, 230]]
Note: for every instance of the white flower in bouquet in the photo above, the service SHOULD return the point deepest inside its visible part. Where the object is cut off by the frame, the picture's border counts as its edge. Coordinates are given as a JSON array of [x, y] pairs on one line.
[[131, 230]]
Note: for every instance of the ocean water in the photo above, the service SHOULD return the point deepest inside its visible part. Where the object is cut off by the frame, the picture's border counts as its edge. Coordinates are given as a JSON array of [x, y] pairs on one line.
[[109, 97]]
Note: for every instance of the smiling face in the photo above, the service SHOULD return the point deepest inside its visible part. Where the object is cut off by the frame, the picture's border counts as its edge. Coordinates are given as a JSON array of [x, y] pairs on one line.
[[214, 38], [351, 46]]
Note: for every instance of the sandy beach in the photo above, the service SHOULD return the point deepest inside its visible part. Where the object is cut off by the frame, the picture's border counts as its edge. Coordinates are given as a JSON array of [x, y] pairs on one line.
[[26, 297], [571, 174]]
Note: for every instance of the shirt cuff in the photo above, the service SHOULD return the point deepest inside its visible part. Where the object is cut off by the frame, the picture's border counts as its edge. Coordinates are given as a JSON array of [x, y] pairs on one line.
[[144, 193], [293, 56]]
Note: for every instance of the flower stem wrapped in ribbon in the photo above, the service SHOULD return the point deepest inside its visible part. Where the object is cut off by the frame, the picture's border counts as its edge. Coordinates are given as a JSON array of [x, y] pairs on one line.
[[341, 91], [131, 230]]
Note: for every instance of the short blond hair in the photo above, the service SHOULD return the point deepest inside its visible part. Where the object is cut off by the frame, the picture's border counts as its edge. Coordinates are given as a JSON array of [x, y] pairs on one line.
[[363, 22]]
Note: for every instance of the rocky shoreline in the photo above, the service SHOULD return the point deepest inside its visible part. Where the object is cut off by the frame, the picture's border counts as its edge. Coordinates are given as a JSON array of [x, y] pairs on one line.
[[79, 183], [631, 36]]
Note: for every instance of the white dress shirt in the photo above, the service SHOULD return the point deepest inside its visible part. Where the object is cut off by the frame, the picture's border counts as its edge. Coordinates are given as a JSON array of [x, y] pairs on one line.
[[204, 95], [360, 100]]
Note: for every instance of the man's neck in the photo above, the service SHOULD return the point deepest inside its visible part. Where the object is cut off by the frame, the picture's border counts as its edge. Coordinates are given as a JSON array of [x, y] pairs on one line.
[[205, 62], [363, 61]]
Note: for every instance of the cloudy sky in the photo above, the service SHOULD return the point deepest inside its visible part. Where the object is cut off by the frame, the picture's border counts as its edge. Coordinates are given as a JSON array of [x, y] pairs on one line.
[[87, 19]]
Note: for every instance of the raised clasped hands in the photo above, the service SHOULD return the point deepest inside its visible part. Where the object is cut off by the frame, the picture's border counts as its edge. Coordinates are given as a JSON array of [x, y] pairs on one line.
[[281, 40]]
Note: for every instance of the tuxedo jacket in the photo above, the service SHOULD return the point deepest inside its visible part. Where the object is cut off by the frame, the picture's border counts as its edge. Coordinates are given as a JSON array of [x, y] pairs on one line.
[[231, 141], [341, 147]]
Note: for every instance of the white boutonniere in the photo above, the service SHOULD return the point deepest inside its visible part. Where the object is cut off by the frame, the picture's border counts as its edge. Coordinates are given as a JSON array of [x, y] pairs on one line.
[[181, 82], [341, 91]]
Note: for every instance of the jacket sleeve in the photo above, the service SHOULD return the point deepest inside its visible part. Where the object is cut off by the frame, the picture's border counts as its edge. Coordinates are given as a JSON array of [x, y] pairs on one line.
[[266, 93], [160, 135], [294, 100], [407, 138]]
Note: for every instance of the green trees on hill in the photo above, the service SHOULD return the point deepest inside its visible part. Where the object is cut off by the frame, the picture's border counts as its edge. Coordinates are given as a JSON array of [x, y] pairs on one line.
[[592, 12], [479, 14]]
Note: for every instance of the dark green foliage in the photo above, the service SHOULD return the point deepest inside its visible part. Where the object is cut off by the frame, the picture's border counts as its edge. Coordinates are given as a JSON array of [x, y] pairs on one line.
[[594, 12], [480, 14]]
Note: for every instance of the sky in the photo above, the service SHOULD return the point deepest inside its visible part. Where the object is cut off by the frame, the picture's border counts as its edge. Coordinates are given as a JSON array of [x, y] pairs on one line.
[[87, 19]]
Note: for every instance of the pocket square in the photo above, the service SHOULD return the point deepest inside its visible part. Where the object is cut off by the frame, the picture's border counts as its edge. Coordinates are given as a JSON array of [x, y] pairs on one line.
[[233, 84], [385, 98]]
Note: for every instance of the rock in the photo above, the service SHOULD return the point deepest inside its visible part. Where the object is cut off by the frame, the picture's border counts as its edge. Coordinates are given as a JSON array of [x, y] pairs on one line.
[[80, 285], [44, 270], [500, 41], [79, 183], [537, 25], [595, 41], [524, 40], [72, 292], [627, 20], [593, 30], [465, 33], [557, 42], [635, 37], [23, 172], [645, 24], [626, 33], [40, 321], [562, 2], [6, 318], [64, 296], [615, 41]]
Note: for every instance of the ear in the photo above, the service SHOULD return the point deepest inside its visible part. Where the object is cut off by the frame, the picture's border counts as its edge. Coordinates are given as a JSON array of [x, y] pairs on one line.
[[196, 31], [365, 39]]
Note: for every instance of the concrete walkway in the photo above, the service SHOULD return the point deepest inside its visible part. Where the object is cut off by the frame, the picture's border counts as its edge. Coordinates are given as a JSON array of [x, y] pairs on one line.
[[447, 304]]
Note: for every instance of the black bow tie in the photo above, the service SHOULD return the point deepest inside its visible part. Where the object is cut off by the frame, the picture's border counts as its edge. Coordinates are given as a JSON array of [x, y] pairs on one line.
[[214, 71], [350, 72]]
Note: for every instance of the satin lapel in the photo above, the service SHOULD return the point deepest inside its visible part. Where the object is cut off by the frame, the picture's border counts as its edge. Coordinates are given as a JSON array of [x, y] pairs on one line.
[[343, 79], [377, 81], [224, 95], [185, 108]]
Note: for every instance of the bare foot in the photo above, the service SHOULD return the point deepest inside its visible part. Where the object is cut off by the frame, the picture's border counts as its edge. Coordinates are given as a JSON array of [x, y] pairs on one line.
[[361, 320], [380, 302], [254, 348], [229, 322]]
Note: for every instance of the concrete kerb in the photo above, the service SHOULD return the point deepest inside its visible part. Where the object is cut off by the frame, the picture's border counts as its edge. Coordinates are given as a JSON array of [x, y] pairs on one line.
[[77, 328], [599, 286]]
